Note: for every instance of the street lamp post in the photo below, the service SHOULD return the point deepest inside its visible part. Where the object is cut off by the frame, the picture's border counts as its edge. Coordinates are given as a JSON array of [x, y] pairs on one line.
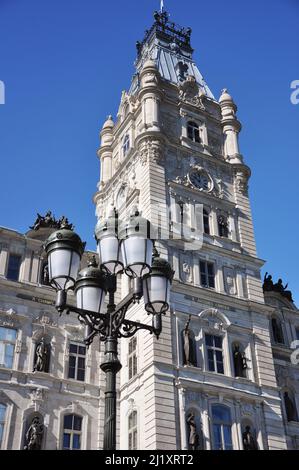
[[123, 248]]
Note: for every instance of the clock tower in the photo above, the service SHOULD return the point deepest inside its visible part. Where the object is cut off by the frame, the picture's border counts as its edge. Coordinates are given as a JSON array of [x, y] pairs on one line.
[[173, 152]]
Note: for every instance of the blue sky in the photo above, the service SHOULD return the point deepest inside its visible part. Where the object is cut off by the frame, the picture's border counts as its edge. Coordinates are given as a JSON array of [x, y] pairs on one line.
[[64, 64]]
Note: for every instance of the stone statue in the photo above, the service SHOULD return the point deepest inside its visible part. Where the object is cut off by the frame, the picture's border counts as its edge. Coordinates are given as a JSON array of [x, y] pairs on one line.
[[240, 362], [46, 279], [290, 408], [278, 287], [41, 357], [189, 353], [193, 435], [269, 286], [63, 222], [268, 283], [249, 441], [34, 435]]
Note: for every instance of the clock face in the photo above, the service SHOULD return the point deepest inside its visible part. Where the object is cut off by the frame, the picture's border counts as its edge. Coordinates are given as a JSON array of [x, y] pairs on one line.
[[199, 180]]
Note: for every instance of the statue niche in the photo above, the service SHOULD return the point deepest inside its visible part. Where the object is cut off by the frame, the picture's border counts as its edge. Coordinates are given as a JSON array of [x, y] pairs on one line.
[[42, 356], [240, 361], [193, 439], [34, 434], [249, 440], [189, 346]]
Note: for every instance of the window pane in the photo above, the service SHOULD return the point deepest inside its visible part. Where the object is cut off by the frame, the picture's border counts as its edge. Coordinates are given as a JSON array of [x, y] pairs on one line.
[[13, 267], [202, 267], [297, 333], [77, 423], [221, 414], [2, 412], [1, 432], [220, 368], [211, 366], [73, 348], [212, 281], [218, 356], [218, 341], [2, 354], [130, 441], [81, 375], [76, 441], [72, 372], [10, 335], [203, 280], [217, 437], [210, 355], [68, 422], [72, 361], [210, 269], [81, 362], [66, 441], [9, 352], [82, 350], [228, 445], [209, 340]]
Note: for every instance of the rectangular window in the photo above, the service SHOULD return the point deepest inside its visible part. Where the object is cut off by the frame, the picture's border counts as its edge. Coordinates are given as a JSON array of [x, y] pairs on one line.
[[72, 432], [7, 347], [132, 358], [77, 362], [297, 334], [207, 274], [214, 354], [13, 270]]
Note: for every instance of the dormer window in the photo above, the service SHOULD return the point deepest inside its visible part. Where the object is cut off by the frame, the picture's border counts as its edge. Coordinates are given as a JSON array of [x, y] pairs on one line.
[[193, 132], [126, 145]]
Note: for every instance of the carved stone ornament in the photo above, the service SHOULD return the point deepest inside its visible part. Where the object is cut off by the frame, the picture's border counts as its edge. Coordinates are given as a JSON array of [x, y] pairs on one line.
[[242, 178], [151, 152], [46, 319], [191, 396], [246, 409], [191, 93]]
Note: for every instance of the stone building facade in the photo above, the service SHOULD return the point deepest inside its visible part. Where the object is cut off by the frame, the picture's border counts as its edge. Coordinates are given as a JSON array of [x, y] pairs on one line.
[[64, 393], [173, 152], [226, 358]]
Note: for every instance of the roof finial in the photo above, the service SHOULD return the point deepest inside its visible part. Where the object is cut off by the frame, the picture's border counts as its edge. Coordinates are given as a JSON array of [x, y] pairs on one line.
[[162, 6]]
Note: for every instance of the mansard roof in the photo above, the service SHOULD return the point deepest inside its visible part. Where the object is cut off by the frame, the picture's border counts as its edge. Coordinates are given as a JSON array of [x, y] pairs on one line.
[[169, 46]]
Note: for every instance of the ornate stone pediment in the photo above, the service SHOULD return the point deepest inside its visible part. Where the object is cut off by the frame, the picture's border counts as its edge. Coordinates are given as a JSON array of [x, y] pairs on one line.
[[46, 319], [214, 320], [191, 93]]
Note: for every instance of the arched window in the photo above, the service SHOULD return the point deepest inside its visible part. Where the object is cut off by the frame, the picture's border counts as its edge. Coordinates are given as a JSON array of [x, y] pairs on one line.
[[223, 226], [277, 330], [2, 421], [132, 430], [239, 359], [206, 222], [126, 145], [221, 424], [72, 430], [290, 406], [193, 131]]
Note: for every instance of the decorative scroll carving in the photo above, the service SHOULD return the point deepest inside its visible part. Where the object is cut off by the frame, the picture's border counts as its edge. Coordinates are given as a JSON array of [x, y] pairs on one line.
[[191, 93]]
